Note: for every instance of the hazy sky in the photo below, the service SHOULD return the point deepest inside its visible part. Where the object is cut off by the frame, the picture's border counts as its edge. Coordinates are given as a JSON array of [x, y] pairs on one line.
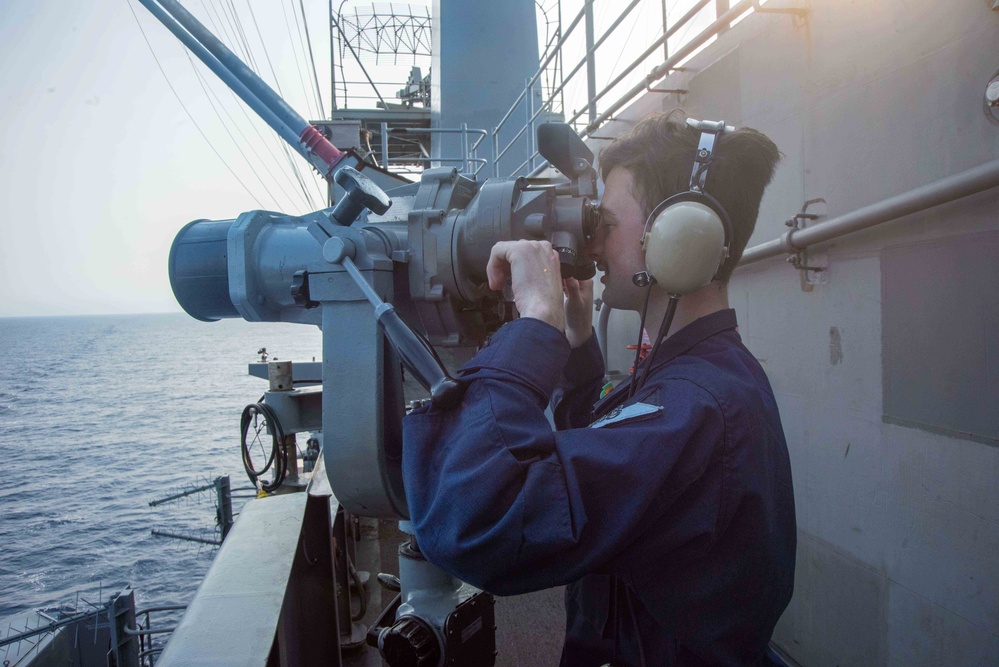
[[101, 165]]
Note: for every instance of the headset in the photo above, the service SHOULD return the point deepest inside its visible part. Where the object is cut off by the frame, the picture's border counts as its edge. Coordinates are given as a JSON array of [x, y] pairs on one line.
[[687, 241], [687, 238]]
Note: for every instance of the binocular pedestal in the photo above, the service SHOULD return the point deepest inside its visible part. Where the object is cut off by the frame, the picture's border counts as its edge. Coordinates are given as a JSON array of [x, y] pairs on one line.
[[436, 619]]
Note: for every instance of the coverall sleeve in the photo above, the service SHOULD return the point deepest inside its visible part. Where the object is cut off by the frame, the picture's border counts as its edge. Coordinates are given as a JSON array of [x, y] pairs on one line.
[[581, 382], [503, 502]]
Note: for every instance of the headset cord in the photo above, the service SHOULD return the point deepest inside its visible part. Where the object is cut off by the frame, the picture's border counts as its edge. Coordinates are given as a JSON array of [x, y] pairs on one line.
[[641, 337], [638, 383]]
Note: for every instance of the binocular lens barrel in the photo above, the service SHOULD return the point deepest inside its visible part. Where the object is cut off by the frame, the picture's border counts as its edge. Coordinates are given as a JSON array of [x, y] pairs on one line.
[[199, 270]]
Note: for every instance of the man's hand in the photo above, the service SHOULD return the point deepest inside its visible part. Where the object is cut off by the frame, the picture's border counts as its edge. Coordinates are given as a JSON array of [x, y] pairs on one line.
[[578, 310], [532, 267]]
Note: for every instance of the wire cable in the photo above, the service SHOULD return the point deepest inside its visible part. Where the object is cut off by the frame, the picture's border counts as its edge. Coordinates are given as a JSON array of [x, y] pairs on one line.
[[263, 45], [362, 598], [263, 162], [239, 147], [242, 34], [641, 338], [277, 455], [238, 40], [277, 84], [294, 52], [312, 59], [298, 176], [293, 175], [660, 337], [221, 29], [184, 107]]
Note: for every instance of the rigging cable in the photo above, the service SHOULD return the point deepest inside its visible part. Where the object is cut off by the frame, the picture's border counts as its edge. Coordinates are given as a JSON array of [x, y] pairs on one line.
[[238, 42], [221, 29], [682, 36], [338, 36], [309, 202], [298, 175], [242, 35], [312, 59], [263, 45], [183, 106], [277, 84], [294, 51], [239, 147]]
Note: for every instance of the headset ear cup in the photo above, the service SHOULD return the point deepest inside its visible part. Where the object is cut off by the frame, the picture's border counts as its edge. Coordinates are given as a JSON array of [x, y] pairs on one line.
[[685, 246]]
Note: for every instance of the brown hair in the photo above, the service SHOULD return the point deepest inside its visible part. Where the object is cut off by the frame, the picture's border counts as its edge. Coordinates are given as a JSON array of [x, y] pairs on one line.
[[659, 153]]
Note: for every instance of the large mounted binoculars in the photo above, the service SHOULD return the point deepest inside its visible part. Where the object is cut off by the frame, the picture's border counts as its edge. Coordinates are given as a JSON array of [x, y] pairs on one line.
[[431, 241], [387, 279]]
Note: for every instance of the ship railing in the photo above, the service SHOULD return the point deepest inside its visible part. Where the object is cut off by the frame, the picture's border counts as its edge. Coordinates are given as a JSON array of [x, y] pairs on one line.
[[46, 625], [726, 15], [145, 632], [33, 637], [469, 151]]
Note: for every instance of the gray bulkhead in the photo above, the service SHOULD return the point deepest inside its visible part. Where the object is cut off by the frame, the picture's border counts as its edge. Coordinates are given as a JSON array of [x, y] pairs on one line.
[[483, 55], [886, 363]]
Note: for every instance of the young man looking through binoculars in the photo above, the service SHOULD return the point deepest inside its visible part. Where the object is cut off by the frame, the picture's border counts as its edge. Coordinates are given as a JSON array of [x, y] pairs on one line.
[[665, 507]]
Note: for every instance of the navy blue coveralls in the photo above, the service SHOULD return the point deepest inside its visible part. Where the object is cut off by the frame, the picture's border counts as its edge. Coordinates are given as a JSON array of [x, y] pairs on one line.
[[671, 520]]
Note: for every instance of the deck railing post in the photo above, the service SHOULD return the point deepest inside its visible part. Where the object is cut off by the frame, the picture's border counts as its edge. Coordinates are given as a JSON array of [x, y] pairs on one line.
[[464, 147], [385, 151], [223, 490]]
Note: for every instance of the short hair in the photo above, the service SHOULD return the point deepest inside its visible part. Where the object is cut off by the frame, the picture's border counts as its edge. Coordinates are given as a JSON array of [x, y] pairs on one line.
[[659, 153]]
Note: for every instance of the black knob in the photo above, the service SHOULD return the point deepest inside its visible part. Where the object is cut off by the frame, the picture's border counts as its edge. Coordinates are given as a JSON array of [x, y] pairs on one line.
[[300, 290], [411, 643], [360, 193]]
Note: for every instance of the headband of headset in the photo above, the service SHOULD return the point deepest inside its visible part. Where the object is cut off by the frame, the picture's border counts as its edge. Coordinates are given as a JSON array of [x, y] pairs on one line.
[[687, 237]]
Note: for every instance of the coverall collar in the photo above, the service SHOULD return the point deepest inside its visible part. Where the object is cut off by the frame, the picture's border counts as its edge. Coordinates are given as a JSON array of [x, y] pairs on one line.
[[676, 345]]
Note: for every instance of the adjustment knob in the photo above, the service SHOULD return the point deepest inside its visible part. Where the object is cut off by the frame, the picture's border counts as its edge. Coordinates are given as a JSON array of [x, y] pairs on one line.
[[411, 643], [360, 193], [300, 290]]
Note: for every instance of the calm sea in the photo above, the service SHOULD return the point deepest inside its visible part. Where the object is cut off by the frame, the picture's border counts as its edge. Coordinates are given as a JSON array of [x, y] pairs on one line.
[[100, 415]]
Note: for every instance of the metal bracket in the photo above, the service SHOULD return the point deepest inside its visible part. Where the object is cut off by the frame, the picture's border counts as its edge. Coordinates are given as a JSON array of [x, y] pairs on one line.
[[800, 12], [811, 274]]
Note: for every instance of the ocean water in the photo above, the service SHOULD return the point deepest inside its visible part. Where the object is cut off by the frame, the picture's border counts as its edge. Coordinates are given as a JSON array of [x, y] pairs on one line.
[[99, 416]]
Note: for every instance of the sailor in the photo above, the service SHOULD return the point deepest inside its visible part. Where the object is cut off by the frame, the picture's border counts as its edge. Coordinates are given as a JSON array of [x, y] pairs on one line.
[[665, 507]]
